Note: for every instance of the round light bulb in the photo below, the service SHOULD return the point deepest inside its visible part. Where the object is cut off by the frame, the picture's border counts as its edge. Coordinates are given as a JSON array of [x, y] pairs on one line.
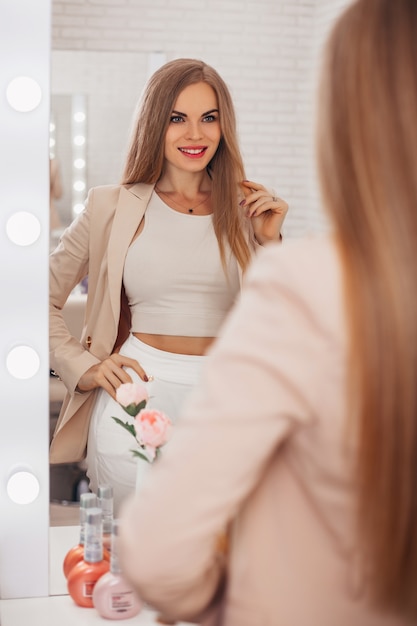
[[78, 208], [23, 94], [79, 140], [79, 116], [23, 362], [79, 185], [23, 487], [23, 228]]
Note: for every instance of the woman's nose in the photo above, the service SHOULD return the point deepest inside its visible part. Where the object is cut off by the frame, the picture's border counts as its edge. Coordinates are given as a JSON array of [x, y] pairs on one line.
[[194, 130]]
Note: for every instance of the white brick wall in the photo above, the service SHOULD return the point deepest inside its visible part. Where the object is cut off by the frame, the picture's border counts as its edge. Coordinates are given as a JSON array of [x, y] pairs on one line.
[[266, 51]]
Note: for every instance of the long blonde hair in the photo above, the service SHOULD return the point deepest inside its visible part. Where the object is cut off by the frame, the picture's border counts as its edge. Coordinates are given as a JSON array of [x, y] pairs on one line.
[[367, 153], [145, 157]]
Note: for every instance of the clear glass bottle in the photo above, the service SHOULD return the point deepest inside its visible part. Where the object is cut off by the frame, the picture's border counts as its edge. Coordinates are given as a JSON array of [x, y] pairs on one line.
[[113, 596], [85, 574], [105, 500], [75, 554]]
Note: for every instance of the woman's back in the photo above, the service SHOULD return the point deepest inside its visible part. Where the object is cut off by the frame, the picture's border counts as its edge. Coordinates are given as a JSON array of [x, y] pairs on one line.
[[272, 411]]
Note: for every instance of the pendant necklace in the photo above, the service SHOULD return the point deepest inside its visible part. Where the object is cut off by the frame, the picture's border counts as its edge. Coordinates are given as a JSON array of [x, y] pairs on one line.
[[189, 210]]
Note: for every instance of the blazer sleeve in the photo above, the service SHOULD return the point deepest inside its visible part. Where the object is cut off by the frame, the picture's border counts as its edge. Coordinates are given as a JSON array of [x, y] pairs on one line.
[[250, 401], [68, 265]]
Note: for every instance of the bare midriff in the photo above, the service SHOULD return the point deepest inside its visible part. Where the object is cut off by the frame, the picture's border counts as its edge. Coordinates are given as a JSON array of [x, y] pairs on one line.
[[196, 346]]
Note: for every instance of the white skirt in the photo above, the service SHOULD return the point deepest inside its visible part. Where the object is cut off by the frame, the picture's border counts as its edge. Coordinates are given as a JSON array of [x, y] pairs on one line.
[[109, 457]]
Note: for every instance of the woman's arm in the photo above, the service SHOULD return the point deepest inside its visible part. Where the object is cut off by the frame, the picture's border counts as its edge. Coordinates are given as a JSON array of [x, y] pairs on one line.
[[68, 265], [76, 256]]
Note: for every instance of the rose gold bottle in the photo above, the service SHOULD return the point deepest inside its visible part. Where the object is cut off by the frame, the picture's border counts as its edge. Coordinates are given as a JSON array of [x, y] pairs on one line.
[[113, 596], [84, 576]]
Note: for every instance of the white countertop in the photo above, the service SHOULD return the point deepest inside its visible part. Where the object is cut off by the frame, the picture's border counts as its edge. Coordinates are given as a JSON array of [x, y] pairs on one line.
[[59, 609]]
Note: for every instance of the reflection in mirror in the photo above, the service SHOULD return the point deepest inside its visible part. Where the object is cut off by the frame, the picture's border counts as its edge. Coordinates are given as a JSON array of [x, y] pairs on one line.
[[83, 104], [67, 149], [78, 144]]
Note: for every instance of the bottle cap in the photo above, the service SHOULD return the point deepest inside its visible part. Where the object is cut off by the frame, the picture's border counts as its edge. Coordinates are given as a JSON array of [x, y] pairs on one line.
[[105, 491], [87, 500]]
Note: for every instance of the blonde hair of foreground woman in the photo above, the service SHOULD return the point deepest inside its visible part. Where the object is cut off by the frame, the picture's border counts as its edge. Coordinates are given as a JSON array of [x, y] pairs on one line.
[[145, 158], [367, 151]]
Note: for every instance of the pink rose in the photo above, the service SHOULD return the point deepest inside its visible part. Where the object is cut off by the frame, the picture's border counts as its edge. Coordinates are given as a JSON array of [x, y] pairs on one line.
[[152, 429], [131, 393]]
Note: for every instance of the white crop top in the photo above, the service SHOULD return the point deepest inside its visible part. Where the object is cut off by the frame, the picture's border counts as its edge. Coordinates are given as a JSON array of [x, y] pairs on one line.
[[173, 275]]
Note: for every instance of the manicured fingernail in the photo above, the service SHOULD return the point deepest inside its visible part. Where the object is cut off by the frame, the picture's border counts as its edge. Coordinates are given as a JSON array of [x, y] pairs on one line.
[[145, 378], [242, 203]]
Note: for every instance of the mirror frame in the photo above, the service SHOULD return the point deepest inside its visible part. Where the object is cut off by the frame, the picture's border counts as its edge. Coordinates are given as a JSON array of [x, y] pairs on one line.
[[25, 36]]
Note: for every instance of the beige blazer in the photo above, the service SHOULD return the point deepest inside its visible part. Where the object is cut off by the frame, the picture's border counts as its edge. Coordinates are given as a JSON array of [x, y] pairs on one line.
[[95, 244], [264, 449]]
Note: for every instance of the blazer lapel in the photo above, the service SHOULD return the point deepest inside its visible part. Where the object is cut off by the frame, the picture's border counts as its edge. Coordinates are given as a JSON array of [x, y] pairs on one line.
[[129, 212]]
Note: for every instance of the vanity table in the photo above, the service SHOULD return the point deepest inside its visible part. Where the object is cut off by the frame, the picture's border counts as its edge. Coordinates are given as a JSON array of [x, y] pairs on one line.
[[59, 608]]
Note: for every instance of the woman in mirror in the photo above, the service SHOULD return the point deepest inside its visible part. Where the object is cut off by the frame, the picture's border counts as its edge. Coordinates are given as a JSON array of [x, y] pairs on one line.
[[301, 438], [165, 253]]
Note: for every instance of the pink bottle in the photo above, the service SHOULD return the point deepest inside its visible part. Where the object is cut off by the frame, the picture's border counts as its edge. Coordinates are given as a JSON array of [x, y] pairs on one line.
[[113, 596]]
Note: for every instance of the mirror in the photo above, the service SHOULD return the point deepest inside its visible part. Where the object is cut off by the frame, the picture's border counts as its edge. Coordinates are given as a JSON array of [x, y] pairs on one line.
[[106, 58], [266, 54]]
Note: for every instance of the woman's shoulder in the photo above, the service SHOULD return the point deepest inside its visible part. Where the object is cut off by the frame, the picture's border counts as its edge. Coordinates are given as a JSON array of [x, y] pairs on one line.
[[308, 269], [298, 256], [112, 191], [106, 200]]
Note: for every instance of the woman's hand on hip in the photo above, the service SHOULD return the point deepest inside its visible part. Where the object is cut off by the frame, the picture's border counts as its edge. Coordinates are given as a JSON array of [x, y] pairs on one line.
[[266, 211], [110, 374]]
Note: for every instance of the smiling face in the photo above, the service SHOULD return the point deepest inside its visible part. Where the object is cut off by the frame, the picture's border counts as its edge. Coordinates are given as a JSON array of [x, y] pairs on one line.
[[193, 133]]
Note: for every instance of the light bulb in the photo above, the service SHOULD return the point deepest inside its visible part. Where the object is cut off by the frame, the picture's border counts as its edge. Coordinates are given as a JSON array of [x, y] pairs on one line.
[[23, 228], [23, 94], [22, 362], [79, 116], [79, 140], [23, 487], [78, 208]]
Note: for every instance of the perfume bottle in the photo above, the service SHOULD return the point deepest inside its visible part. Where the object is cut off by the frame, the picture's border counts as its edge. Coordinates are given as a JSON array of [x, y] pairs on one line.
[[75, 554], [85, 574], [113, 596], [105, 502]]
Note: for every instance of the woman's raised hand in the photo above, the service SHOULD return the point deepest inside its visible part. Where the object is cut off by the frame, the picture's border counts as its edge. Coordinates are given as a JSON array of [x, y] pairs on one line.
[[266, 211]]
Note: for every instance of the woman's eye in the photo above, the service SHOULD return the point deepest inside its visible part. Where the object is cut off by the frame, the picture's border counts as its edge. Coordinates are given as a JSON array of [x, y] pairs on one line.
[[176, 118], [210, 118]]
